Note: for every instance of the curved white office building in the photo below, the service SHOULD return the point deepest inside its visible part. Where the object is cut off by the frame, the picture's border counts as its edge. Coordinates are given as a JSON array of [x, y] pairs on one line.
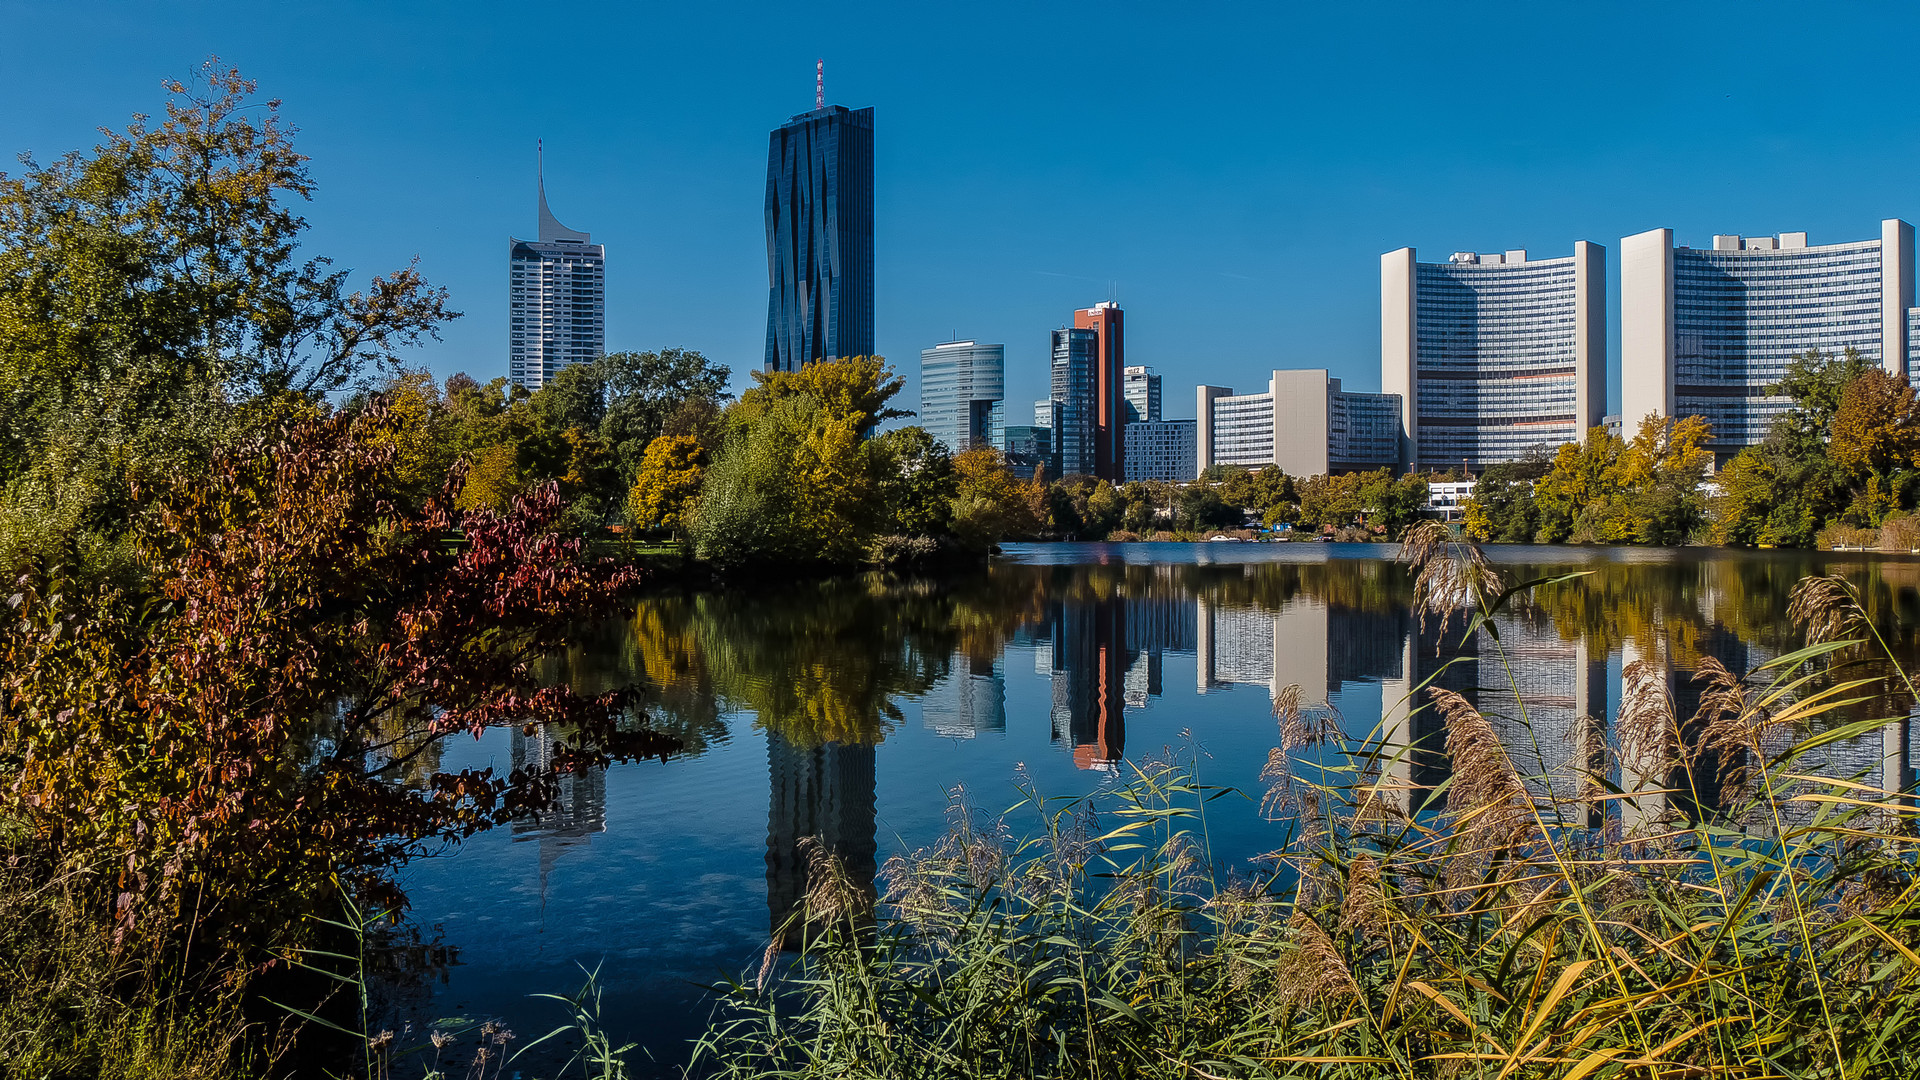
[[1705, 331], [961, 385], [1493, 355]]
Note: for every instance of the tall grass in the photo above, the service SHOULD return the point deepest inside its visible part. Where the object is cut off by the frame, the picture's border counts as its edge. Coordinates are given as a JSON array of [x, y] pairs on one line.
[[1487, 928]]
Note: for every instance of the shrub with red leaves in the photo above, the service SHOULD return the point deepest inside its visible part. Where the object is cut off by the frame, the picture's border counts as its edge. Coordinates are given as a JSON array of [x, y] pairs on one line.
[[270, 712]]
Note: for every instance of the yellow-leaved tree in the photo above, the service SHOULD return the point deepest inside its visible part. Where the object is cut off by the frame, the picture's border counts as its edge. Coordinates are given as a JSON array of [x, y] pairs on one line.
[[668, 483]]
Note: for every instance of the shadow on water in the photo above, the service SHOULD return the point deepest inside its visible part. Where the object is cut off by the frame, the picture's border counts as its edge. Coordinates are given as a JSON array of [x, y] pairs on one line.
[[849, 710]]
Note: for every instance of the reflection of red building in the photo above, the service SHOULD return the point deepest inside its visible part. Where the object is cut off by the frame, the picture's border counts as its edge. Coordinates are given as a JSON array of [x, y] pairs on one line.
[[1089, 682], [1110, 406]]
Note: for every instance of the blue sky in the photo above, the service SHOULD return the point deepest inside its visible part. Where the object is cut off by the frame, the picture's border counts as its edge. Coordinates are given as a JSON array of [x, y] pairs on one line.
[[1232, 170]]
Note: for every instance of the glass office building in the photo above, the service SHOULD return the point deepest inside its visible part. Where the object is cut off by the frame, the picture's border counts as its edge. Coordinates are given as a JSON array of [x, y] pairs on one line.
[[1142, 391], [1705, 331], [1076, 390], [820, 238], [1493, 354], [961, 386], [1029, 448], [556, 300], [1363, 430]]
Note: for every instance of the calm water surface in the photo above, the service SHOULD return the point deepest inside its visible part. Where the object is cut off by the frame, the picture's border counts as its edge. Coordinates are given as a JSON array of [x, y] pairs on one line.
[[855, 710]]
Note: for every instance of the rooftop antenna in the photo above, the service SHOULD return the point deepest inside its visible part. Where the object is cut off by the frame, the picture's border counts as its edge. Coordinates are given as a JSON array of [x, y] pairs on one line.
[[820, 84]]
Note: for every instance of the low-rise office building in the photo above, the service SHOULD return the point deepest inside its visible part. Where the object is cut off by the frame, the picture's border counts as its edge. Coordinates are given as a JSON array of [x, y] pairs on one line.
[[1304, 423], [1705, 331], [1161, 450]]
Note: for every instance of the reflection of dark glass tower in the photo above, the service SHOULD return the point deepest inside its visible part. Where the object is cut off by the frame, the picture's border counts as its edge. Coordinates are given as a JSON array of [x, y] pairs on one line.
[[820, 237], [825, 792], [1089, 682]]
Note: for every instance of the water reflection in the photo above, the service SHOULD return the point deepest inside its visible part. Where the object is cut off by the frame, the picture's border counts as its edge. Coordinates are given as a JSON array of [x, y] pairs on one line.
[[1071, 668]]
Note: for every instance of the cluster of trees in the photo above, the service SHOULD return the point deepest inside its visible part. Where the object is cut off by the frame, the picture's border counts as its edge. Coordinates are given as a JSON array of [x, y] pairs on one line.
[[1603, 490], [1844, 454]]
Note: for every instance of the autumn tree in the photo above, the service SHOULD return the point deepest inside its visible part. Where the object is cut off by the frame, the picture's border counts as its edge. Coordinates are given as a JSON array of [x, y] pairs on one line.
[[237, 745], [153, 305], [1582, 474], [663, 494], [990, 504], [797, 479]]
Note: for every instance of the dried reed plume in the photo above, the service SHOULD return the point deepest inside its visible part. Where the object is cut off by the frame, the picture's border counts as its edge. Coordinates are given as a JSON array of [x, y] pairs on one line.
[[1312, 971], [1826, 608], [1448, 576], [1486, 801], [1364, 911], [1728, 729], [832, 895], [1648, 731]]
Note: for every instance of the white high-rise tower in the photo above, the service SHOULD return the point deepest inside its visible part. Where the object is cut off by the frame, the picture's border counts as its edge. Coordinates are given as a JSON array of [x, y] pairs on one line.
[[558, 300]]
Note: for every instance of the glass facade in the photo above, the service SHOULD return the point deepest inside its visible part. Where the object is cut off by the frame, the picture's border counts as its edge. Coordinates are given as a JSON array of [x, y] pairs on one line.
[[1243, 430], [1142, 389], [1029, 447], [1076, 361], [1162, 450], [1739, 318], [820, 238], [1363, 430], [1495, 360], [961, 384]]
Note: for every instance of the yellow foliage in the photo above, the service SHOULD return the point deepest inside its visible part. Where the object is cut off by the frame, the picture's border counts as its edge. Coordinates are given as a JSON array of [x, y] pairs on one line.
[[668, 483]]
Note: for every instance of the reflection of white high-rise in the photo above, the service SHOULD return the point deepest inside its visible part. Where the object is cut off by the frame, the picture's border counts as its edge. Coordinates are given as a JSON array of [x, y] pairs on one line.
[[1249, 647], [557, 301], [969, 702]]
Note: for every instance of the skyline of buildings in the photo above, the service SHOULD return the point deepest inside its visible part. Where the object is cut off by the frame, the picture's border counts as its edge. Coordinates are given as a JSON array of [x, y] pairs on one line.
[[1488, 356]]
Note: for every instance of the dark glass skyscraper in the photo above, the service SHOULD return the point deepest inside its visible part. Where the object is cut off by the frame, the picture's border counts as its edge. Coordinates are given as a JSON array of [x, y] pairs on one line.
[[820, 237]]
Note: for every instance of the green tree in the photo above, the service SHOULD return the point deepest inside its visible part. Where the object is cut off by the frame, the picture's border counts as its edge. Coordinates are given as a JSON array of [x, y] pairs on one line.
[[1502, 507], [796, 479], [917, 484], [646, 391], [152, 307]]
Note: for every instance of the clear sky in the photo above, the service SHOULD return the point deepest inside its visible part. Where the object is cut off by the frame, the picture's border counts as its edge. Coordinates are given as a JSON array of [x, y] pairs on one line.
[[1231, 170]]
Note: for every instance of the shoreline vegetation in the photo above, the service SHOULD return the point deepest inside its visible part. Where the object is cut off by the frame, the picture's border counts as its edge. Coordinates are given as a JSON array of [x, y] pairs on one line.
[[258, 575]]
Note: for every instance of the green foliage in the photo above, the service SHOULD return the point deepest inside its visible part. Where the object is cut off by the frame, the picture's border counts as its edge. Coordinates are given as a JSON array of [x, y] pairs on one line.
[[797, 480], [917, 485], [152, 307], [1502, 507], [1377, 500]]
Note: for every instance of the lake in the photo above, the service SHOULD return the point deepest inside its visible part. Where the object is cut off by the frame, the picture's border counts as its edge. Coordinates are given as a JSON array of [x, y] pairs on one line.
[[859, 709]]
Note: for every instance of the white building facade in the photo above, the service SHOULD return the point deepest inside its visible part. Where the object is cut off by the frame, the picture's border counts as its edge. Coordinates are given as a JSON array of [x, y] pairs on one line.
[[1304, 423], [1705, 331], [557, 301], [1493, 354]]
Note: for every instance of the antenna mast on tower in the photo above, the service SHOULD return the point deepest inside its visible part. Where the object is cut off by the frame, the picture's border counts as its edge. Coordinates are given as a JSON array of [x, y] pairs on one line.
[[819, 84]]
